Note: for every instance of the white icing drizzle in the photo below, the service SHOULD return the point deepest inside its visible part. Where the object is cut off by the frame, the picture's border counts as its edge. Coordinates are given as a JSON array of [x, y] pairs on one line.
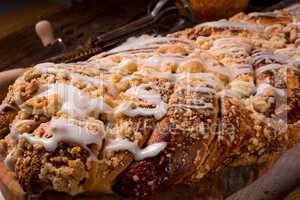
[[156, 74], [138, 153], [198, 103], [204, 105], [242, 42], [143, 92], [231, 51], [264, 86], [289, 49], [229, 42], [212, 65], [150, 97], [293, 9], [126, 62], [146, 41], [196, 89], [68, 131], [161, 60], [14, 133], [270, 67], [239, 88], [238, 70], [206, 77], [220, 70], [268, 57], [261, 42], [261, 14], [117, 68], [232, 25], [158, 112], [295, 24], [232, 46], [293, 52], [154, 61], [51, 69], [74, 101], [158, 60], [134, 43]]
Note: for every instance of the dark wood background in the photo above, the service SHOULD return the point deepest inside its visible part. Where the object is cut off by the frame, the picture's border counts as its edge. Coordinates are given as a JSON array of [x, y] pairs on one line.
[[20, 46]]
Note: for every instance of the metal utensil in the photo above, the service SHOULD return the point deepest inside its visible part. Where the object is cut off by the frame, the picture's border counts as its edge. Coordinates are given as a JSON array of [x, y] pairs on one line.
[[179, 12]]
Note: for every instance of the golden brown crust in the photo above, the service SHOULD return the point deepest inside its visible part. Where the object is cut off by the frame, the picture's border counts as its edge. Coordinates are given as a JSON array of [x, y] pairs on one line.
[[254, 137], [189, 128], [6, 119], [27, 171]]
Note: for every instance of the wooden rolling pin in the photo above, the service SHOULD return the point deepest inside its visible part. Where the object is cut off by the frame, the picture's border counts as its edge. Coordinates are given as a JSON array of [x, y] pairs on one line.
[[283, 178]]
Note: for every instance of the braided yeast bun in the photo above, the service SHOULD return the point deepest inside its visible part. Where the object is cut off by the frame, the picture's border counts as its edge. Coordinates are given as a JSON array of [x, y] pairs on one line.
[[157, 111]]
